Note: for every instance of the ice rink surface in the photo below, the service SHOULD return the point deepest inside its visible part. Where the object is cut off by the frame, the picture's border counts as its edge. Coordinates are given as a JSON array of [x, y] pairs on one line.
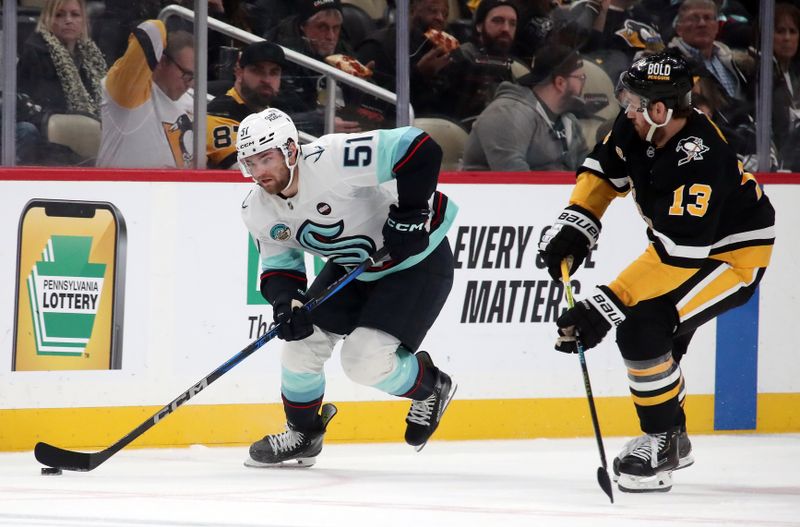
[[747, 480]]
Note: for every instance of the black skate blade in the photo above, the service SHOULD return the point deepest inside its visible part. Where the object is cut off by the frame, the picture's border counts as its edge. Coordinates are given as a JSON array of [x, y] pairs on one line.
[[446, 404], [605, 483]]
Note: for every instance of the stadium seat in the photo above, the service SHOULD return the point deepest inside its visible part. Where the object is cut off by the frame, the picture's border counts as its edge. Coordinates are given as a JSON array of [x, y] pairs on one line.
[[602, 105], [356, 24], [376, 9], [450, 136], [80, 133]]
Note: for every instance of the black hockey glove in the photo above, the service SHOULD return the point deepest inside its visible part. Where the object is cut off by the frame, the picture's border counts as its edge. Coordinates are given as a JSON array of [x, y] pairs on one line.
[[293, 322], [405, 233], [591, 319], [573, 234]]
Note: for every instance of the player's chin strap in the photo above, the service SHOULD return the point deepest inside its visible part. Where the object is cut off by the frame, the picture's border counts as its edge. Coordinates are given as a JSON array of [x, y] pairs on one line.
[[292, 167], [654, 126]]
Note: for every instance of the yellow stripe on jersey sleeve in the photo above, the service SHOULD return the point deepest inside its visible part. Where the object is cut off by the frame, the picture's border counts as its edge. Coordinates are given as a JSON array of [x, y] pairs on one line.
[[648, 277], [593, 194], [129, 80]]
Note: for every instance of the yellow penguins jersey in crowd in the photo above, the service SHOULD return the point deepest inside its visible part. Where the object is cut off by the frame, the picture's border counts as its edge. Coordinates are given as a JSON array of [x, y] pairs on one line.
[[693, 194], [224, 115], [142, 126]]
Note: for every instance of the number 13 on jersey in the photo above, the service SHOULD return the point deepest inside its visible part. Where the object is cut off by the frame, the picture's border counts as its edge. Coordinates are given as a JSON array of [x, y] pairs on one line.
[[701, 194]]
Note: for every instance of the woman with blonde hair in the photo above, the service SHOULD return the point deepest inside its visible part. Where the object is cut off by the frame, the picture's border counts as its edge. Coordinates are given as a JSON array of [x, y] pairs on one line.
[[60, 67]]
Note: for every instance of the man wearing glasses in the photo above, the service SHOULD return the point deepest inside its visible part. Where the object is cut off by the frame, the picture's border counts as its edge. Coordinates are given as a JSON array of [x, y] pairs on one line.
[[528, 126], [146, 111]]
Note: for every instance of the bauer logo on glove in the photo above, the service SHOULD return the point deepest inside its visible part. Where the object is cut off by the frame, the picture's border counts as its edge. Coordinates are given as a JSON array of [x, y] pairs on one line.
[[590, 320], [571, 237]]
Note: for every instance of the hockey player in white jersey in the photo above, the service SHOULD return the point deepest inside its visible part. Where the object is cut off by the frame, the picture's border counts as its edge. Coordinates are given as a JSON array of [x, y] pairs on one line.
[[336, 198]]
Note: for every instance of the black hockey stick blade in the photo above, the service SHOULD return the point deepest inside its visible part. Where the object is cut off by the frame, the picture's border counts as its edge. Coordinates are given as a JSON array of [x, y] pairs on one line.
[[605, 482], [56, 457]]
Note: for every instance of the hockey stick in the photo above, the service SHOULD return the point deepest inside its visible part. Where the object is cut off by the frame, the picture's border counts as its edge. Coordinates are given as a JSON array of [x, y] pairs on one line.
[[56, 457], [602, 472]]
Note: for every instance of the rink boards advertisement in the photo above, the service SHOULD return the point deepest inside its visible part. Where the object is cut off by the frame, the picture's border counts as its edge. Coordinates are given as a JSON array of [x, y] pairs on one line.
[[190, 279]]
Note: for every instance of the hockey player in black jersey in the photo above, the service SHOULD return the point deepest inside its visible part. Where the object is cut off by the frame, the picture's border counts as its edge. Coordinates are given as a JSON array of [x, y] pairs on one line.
[[710, 229]]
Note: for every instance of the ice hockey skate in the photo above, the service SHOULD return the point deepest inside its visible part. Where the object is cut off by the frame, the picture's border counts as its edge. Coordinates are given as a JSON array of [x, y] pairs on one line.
[[647, 462], [424, 416], [684, 450], [301, 446]]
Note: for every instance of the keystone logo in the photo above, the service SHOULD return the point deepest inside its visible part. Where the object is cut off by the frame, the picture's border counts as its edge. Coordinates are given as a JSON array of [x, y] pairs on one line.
[[64, 289]]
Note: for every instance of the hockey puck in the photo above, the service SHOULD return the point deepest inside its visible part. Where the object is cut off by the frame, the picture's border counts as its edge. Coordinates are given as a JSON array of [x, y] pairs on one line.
[[51, 471]]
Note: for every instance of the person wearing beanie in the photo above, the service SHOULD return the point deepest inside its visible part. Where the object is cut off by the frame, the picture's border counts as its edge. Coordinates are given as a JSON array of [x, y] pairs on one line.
[[528, 126], [480, 66]]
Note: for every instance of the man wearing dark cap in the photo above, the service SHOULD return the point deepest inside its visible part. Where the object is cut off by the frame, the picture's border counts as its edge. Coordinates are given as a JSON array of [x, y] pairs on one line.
[[528, 125], [258, 81]]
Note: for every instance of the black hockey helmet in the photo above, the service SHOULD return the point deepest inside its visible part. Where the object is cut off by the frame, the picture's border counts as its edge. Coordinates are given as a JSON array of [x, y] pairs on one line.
[[662, 77]]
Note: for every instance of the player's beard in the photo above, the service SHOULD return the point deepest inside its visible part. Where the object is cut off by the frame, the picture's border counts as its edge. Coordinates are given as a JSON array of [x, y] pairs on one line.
[[258, 101]]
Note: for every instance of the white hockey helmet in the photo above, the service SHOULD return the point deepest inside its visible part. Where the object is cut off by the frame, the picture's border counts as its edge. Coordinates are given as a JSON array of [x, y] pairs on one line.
[[265, 130]]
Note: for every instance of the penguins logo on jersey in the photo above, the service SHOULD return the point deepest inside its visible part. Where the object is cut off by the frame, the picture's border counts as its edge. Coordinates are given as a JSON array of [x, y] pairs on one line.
[[693, 147], [639, 35], [179, 138], [280, 232]]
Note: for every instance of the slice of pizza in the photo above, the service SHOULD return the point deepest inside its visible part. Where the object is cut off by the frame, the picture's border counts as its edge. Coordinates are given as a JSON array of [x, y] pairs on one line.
[[349, 65], [444, 41]]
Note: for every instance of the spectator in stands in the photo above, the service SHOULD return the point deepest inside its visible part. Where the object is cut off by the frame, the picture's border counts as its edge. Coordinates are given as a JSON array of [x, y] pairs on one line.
[[146, 112], [426, 61], [528, 126], [258, 81], [697, 28], [786, 98], [60, 67], [480, 66], [315, 31], [257, 86]]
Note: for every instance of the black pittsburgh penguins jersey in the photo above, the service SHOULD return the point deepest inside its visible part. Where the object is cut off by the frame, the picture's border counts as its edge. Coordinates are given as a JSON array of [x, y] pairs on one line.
[[694, 195], [224, 115]]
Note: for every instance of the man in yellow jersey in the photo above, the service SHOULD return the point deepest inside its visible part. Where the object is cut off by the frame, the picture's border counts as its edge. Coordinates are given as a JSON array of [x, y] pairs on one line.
[[258, 81], [146, 112], [711, 231]]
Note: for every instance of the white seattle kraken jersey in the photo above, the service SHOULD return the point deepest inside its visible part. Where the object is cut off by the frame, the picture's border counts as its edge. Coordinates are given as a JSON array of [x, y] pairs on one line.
[[346, 185]]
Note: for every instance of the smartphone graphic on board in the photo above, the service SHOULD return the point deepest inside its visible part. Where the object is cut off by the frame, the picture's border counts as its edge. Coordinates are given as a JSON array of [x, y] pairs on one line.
[[70, 286]]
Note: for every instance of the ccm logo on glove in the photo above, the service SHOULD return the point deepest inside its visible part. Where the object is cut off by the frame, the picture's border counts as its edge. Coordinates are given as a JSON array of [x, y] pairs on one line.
[[405, 227]]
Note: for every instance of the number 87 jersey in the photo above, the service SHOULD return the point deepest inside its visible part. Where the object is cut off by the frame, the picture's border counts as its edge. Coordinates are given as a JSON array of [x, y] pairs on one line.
[[346, 184]]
